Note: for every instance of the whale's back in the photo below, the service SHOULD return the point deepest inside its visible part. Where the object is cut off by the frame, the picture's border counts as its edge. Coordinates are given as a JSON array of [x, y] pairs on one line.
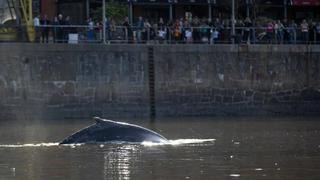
[[108, 131]]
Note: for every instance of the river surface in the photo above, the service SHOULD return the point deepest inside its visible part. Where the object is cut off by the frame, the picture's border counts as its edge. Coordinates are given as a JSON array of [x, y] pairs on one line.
[[200, 148]]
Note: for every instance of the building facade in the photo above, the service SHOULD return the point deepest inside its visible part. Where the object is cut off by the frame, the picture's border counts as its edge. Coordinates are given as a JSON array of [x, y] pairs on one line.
[[80, 10]]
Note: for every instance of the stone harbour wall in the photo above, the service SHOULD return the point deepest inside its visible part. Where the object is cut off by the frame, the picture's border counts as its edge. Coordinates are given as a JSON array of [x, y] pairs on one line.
[[238, 80], [62, 81]]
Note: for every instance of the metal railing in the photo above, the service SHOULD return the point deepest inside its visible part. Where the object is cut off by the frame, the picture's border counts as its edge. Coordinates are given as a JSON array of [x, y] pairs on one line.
[[166, 35]]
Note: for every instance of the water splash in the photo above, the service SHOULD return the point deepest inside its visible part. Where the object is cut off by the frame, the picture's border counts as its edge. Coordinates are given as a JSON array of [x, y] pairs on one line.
[[179, 142], [28, 145]]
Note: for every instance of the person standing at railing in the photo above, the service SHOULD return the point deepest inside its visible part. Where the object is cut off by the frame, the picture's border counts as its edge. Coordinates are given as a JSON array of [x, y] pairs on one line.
[[146, 30], [218, 26], [45, 29], [90, 31], [161, 24], [286, 35], [60, 33], [196, 30], [214, 36], [210, 25], [162, 30], [304, 31], [188, 35], [36, 24], [278, 28], [112, 28], [239, 31], [270, 32], [107, 26], [292, 29], [318, 32], [55, 29], [204, 30], [127, 31], [182, 29], [140, 27], [67, 30], [99, 31], [176, 31], [312, 32], [247, 30], [154, 32]]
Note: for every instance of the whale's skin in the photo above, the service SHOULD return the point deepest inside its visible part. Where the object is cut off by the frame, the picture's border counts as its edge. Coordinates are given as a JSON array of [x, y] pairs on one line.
[[104, 131]]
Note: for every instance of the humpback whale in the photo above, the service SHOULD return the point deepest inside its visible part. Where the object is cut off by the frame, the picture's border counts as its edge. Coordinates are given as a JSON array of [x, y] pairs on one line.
[[110, 131]]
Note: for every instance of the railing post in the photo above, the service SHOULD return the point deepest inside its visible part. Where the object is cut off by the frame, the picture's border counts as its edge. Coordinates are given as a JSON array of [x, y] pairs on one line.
[[87, 9], [210, 11], [192, 41], [247, 8], [295, 36], [104, 20], [233, 21], [170, 12], [254, 30], [126, 34], [148, 35], [130, 12], [285, 10], [170, 35]]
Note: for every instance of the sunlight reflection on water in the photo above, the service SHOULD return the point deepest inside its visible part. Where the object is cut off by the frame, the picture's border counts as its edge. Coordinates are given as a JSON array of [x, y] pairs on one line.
[[145, 143]]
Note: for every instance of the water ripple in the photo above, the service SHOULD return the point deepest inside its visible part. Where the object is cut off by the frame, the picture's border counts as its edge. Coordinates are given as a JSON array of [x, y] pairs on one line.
[[28, 145]]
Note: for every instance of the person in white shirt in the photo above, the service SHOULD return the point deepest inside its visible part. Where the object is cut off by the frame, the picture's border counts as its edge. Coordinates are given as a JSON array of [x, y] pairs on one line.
[[36, 24], [36, 21], [188, 35]]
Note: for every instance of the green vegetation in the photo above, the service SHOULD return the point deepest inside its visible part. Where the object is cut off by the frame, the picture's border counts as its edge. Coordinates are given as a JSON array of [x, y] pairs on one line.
[[114, 9]]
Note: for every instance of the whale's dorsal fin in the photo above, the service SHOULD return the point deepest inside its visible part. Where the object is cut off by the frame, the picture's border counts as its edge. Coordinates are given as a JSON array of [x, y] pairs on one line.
[[98, 119]]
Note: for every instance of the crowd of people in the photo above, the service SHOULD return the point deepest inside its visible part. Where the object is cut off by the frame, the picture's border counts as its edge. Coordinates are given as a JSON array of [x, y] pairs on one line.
[[203, 30], [58, 28], [183, 30]]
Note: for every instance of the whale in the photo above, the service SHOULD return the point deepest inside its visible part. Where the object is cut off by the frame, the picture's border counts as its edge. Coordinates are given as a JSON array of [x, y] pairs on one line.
[[106, 131]]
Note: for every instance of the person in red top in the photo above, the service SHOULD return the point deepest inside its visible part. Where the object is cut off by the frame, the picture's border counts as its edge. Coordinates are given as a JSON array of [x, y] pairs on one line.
[[270, 28]]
